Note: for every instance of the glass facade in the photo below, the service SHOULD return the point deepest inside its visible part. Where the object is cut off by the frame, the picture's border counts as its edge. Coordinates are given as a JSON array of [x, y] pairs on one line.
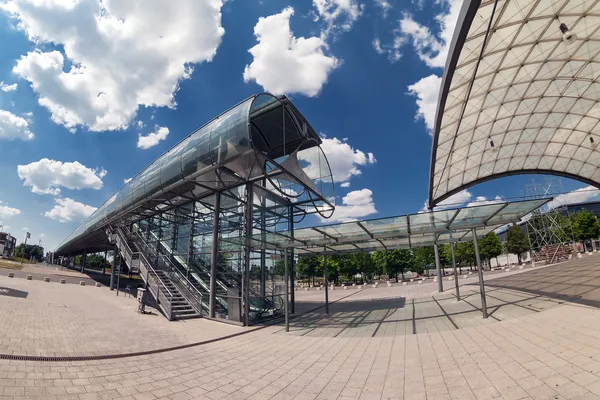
[[189, 220]]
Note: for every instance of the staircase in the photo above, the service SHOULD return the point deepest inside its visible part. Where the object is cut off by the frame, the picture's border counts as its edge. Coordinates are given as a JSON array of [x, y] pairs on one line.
[[180, 306], [553, 253], [172, 294]]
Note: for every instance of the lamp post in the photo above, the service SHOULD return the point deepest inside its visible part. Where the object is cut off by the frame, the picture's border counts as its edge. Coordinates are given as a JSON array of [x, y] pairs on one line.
[[27, 236]]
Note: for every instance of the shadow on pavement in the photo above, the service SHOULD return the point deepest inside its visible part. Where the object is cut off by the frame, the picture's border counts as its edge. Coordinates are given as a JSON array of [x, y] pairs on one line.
[[4, 291], [577, 281]]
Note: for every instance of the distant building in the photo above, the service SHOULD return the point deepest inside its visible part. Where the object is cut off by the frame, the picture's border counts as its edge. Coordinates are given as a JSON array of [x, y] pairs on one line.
[[593, 207], [8, 244]]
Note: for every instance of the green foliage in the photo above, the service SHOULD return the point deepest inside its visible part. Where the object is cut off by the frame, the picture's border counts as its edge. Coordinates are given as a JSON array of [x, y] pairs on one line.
[[490, 246], [36, 253], [585, 225], [307, 267], [516, 241], [465, 252], [19, 250], [423, 257], [96, 261]]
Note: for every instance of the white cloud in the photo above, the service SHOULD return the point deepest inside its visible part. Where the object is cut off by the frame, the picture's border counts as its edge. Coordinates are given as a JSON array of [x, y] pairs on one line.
[[25, 229], [285, 64], [126, 180], [392, 51], [8, 88], [45, 176], [581, 195], [482, 200], [431, 48], [42, 235], [356, 204], [14, 127], [345, 184], [344, 160], [67, 210], [426, 91], [384, 5], [456, 200], [152, 139], [7, 212], [115, 55], [338, 15]]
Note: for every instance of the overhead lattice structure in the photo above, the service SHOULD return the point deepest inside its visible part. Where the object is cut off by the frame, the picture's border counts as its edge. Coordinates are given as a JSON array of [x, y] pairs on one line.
[[546, 225], [519, 94]]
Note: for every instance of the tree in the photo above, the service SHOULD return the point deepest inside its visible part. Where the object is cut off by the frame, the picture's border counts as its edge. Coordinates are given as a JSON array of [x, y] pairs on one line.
[[490, 246], [306, 267], [36, 252], [516, 241], [585, 226], [423, 257], [465, 253], [96, 261]]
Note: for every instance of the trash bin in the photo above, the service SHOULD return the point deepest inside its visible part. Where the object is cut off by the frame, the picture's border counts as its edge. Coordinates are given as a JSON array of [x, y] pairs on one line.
[[142, 297]]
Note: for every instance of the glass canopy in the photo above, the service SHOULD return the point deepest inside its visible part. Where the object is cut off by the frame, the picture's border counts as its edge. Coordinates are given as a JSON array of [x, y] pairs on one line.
[[520, 94], [406, 231]]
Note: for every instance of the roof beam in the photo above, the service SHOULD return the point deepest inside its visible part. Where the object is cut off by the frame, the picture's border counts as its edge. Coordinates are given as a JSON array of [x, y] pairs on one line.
[[324, 233], [494, 214]]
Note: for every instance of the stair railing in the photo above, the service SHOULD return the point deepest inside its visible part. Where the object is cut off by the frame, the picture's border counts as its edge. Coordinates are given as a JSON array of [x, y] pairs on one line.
[[187, 288], [157, 287]]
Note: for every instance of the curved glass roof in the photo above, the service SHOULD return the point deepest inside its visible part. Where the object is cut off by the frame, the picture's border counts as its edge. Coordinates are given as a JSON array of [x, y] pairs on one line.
[[263, 138], [519, 94]]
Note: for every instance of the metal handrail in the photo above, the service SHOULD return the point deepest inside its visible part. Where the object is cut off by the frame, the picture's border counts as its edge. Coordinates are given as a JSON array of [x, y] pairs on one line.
[[196, 295], [163, 295]]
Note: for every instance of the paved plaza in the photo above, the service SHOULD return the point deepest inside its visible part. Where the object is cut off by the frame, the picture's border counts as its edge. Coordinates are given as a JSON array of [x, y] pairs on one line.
[[542, 341]]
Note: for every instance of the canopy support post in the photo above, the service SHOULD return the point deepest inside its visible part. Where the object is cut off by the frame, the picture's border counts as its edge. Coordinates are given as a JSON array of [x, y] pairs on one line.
[[326, 284], [438, 267], [455, 272], [480, 274], [286, 280]]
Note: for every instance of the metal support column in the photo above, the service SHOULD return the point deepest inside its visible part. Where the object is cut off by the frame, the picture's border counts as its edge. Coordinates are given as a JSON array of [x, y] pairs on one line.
[[326, 281], [83, 260], [190, 249], [455, 272], [292, 263], [214, 258], [480, 274], [114, 268], [104, 263], [286, 302], [246, 266], [438, 267], [119, 274]]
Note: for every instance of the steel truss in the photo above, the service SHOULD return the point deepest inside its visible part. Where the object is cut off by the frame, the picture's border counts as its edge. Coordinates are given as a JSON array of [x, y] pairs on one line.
[[544, 226]]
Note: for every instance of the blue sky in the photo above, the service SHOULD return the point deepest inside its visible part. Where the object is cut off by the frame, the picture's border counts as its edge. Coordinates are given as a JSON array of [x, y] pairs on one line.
[[81, 83]]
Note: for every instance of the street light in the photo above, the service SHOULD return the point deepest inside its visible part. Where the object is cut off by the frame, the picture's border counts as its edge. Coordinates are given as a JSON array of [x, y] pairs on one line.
[[27, 236]]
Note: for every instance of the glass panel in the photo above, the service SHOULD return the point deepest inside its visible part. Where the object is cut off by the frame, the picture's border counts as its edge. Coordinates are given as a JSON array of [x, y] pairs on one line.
[[229, 136], [428, 221], [475, 216]]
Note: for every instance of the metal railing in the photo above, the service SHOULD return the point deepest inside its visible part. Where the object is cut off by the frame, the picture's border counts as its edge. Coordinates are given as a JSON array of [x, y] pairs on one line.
[[182, 283], [157, 287]]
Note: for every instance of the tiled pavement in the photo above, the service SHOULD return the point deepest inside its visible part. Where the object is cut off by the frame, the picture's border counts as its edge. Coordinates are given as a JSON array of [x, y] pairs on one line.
[[537, 345]]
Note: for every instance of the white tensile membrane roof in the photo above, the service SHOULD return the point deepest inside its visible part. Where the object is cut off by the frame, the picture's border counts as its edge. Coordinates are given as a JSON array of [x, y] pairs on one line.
[[519, 94]]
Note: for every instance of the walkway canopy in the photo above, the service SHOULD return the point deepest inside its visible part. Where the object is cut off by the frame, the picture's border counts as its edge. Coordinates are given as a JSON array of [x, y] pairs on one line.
[[264, 140], [519, 94], [400, 232]]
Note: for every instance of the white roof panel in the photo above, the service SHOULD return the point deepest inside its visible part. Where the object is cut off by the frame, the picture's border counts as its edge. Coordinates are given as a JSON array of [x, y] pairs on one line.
[[518, 97]]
